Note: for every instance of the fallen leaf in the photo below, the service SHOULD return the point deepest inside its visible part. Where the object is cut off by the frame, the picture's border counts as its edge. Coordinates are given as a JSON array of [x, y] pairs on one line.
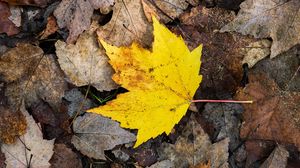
[[222, 52], [274, 115], [278, 158], [12, 125], [51, 27], [93, 134], [76, 15], [6, 25], [257, 150], [225, 118], [194, 148], [203, 165], [128, 24], [77, 102], [279, 20], [284, 69], [163, 164], [39, 3], [166, 10], [15, 17], [161, 84], [85, 63], [64, 157], [32, 76], [256, 51], [29, 147]]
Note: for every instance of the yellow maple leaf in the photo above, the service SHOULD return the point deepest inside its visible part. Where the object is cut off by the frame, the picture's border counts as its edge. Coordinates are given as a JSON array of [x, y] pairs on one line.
[[161, 83]]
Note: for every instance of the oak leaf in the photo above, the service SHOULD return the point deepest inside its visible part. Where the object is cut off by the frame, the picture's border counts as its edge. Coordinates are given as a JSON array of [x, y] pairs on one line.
[[161, 83]]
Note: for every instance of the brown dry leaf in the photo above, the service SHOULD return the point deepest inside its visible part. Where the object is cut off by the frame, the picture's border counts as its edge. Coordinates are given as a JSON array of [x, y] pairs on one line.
[[64, 157], [76, 15], [12, 125], [6, 25], [278, 158], [50, 28], [93, 134], [166, 10], [187, 153], [85, 63], [279, 20], [39, 3], [222, 53], [274, 115], [127, 24], [32, 76], [31, 146]]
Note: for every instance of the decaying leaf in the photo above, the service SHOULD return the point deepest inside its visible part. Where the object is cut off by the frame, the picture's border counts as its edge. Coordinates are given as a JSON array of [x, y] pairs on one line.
[[278, 158], [32, 76], [76, 15], [222, 52], [94, 134], [274, 115], [64, 157], [279, 20], [194, 148], [31, 146], [6, 25], [128, 24], [161, 83], [166, 10], [85, 63], [12, 125]]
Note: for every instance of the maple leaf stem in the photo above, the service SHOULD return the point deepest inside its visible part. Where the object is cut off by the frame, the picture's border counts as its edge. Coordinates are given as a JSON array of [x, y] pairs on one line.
[[221, 101]]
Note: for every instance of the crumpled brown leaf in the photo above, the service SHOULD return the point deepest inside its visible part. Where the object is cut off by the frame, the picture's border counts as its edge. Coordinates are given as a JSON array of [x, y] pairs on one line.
[[85, 63], [278, 158], [94, 134], [76, 15], [194, 148], [166, 10], [64, 157], [32, 76], [31, 146], [279, 20], [274, 115], [12, 125], [6, 25], [128, 24]]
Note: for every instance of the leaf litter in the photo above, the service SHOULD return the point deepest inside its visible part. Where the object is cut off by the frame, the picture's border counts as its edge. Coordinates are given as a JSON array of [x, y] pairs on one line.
[[222, 60]]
